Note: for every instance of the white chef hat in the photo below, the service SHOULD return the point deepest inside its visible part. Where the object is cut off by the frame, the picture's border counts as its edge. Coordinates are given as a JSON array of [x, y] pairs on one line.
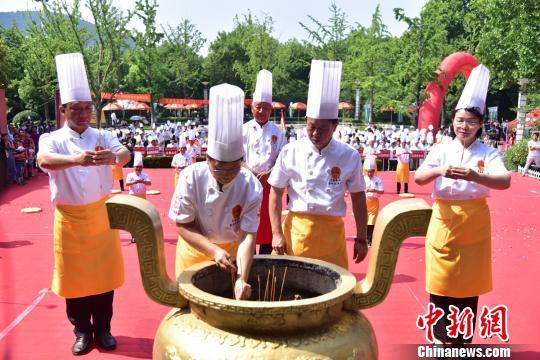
[[225, 118], [475, 91], [430, 127], [191, 135], [263, 88], [324, 87], [137, 159], [182, 142], [370, 165], [72, 80]]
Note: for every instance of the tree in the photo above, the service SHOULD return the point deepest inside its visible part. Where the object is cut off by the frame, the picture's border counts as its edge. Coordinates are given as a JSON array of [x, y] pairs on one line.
[[11, 60], [180, 50], [329, 40], [60, 31], [504, 35]]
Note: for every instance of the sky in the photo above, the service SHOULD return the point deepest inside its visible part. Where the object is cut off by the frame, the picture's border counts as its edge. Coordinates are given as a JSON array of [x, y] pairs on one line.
[[211, 16]]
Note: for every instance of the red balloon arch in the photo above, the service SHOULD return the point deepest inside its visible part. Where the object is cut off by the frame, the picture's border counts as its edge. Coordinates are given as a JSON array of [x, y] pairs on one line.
[[460, 62]]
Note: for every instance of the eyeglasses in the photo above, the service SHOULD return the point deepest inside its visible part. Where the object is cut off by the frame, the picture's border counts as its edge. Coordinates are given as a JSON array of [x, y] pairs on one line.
[[468, 122]]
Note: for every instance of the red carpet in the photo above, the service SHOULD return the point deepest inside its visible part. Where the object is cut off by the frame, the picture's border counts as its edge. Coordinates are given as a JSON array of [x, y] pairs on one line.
[[33, 324]]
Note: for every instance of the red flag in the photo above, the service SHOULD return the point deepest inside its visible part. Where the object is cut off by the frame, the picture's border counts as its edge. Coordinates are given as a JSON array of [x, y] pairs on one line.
[[282, 124]]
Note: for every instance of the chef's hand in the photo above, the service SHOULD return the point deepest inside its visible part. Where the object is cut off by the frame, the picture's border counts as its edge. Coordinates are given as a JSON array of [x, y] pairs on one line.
[[360, 250], [224, 261], [242, 290], [104, 157], [464, 173], [263, 177], [85, 158], [278, 244]]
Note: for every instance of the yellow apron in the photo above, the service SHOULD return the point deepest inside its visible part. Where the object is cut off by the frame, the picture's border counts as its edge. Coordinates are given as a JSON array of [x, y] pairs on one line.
[[175, 180], [458, 249], [402, 173], [117, 173], [316, 236], [372, 209], [87, 255], [187, 255]]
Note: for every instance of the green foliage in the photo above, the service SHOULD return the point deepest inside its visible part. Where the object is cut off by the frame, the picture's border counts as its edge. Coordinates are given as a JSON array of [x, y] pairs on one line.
[[24, 115], [516, 155], [157, 162]]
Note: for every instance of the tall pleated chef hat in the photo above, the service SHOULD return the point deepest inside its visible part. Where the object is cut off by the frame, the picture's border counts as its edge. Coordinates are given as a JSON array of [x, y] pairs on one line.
[[72, 80], [475, 92], [225, 118], [263, 88], [137, 159], [370, 165], [324, 88]]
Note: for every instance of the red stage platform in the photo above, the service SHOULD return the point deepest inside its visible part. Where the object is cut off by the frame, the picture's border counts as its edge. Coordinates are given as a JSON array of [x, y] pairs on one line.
[[33, 324]]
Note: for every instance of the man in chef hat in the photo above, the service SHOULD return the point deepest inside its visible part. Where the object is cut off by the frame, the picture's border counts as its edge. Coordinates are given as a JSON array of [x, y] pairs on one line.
[[263, 141], [374, 190], [216, 203], [317, 171], [88, 260], [192, 150], [458, 240]]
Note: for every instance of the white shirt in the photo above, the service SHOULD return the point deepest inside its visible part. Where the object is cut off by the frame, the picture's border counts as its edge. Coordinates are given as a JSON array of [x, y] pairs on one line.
[[192, 151], [453, 153], [262, 144], [370, 156], [533, 153], [220, 214], [402, 154], [375, 183], [139, 188], [78, 185], [316, 180], [180, 161]]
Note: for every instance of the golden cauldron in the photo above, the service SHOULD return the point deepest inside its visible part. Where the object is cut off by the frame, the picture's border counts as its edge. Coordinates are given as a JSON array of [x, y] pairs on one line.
[[323, 322]]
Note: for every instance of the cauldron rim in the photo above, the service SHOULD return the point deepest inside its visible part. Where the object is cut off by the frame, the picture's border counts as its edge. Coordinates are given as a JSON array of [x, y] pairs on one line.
[[202, 298]]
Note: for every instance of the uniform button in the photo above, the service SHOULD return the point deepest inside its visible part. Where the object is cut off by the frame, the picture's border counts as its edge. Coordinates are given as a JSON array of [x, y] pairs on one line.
[[311, 173]]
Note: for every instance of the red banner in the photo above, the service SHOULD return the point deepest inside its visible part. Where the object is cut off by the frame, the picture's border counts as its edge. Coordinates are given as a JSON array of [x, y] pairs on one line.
[[140, 149], [165, 101], [135, 97], [170, 151], [152, 151]]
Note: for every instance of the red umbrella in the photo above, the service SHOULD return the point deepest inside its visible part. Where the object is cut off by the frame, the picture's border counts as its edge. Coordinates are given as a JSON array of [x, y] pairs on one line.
[[534, 114], [174, 106], [345, 106], [192, 106], [529, 123], [135, 105], [298, 106], [112, 106], [277, 105]]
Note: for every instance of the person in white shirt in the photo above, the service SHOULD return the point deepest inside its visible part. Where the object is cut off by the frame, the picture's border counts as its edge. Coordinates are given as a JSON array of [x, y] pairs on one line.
[[370, 157], [192, 150], [180, 161], [317, 171], [263, 141], [534, 153], [374, 189], [88, 262], [216, 203], [137, 181], [402, 172], [458, 240]]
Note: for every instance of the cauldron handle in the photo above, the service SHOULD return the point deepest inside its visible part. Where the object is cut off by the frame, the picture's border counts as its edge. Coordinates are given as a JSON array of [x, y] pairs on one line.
[[396, 222], [140, 218]]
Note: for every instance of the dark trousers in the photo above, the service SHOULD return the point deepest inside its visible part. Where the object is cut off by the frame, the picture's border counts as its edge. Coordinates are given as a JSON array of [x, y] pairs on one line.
[[392, 165], [444, 302], [370, 229], [98, 308], [265, 249]]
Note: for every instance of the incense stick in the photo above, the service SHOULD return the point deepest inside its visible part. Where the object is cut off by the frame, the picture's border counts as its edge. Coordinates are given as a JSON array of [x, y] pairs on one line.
[[266, 287], [259, 281], [282, 283]]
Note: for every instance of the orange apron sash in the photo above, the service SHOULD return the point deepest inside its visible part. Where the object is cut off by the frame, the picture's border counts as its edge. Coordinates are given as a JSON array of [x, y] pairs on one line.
[[402, 173], [458, 249], [87, 254], [187, 255], [316, 236], [372, 209]]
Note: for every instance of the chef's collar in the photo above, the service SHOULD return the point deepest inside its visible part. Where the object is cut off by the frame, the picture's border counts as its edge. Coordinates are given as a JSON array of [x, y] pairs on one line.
[[75, 134], [324, 150]]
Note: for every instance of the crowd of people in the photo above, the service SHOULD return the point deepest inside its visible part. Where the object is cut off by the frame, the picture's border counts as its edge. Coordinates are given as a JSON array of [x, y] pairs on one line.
[[225, 206]]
